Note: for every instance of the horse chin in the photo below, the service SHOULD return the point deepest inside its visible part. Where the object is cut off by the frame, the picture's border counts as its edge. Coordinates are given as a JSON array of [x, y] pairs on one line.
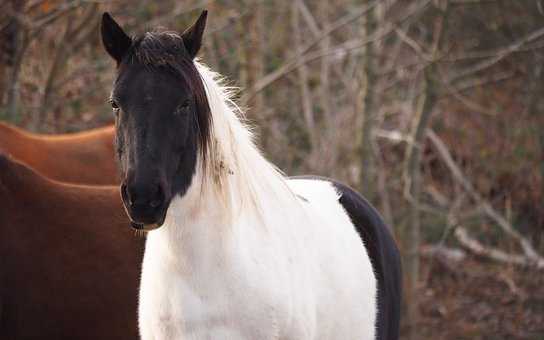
[[145, 227]]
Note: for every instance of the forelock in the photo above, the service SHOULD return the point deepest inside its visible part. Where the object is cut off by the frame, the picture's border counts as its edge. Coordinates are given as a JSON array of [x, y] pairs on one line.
[[158, 49]]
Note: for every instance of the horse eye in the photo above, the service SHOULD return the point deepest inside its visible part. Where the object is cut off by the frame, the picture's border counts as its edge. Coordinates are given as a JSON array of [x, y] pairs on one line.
[[114, 104], [182, 107]]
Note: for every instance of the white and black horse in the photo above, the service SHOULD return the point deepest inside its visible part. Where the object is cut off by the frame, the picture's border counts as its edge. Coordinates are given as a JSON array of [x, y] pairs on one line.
[[237, 250]]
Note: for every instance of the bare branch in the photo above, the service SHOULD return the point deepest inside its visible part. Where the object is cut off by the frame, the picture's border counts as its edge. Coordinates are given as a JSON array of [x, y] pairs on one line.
[[486, 207], [503, 53], [298, 59], [461, 234], [413, 44], [181, 9], [37, 26]]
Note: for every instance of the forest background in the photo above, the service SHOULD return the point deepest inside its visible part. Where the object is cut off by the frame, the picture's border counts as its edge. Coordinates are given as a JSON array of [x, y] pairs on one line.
[[433, 109]]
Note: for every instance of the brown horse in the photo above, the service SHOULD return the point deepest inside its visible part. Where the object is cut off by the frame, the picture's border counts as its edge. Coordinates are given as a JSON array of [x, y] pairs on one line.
[[69, 263], [84, 157]]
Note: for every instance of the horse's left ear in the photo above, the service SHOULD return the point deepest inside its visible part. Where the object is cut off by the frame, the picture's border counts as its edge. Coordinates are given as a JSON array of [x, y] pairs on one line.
[[115, 40], [192, 37]]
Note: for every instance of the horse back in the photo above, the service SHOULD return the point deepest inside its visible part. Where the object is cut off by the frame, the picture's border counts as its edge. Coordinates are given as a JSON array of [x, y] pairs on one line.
[[84, 157]]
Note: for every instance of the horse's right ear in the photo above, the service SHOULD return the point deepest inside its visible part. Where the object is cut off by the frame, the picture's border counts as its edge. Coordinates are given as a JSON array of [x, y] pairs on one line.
[[115, 40]]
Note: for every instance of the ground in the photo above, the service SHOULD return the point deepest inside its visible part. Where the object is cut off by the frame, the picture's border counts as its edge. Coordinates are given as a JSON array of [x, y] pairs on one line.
[[472, 299]]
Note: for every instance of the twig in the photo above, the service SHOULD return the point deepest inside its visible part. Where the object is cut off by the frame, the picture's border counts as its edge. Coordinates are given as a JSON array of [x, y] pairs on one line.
[[413, 44], [513, 47], [492, 253], [37, 26], [298, 59], [491, 53], [457, 174], [316, 31], [468, 102], [294, 62], [181, 9]]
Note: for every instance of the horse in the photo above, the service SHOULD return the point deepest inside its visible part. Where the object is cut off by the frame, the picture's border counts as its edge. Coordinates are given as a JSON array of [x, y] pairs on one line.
[[82, 158], [69, 265], [234, 249]]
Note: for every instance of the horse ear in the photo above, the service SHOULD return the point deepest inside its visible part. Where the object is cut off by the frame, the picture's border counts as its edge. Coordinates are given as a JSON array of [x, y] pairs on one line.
[[192, 37], [115, 40]]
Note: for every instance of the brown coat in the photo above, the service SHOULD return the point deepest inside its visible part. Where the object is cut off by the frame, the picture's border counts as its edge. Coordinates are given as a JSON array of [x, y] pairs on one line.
[[84, 157], [69, 262]]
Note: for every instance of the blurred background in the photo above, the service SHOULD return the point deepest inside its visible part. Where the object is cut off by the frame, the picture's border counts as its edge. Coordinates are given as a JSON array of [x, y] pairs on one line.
[[434, 110]]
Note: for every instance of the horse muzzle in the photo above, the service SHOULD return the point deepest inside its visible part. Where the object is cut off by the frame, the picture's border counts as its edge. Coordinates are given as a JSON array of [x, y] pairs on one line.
[[146, 212]]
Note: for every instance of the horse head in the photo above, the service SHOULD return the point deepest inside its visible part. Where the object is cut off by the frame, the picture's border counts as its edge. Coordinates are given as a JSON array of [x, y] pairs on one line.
[[162, 116]]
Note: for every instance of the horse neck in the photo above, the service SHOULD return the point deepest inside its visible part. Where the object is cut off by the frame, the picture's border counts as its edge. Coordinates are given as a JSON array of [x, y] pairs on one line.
[[234, 183], [194, 222], [201, 226]]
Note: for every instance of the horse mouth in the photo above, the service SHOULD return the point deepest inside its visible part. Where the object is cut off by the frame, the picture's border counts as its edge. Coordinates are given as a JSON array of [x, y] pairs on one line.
[[145, 222], [145, 227], [150, 218]]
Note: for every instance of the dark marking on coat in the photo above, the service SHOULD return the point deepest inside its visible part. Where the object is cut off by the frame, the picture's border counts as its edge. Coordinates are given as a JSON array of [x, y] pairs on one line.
[[383, 252]]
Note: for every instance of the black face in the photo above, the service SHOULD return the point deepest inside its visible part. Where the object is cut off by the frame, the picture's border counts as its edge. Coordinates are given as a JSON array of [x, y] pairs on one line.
[[161, 117]]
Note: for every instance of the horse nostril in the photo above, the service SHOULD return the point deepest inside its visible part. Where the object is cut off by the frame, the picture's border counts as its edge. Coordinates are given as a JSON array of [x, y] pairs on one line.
[[142, 196], [158, 198]]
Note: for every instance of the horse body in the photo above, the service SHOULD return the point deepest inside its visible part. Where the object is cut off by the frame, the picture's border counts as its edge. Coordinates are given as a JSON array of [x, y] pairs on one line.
[[285, 250], [84, 157], [235, 250], [69, 266], [297, 278]]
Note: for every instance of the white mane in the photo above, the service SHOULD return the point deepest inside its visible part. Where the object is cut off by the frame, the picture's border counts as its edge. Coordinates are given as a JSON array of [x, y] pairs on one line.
[[235, 170], [240, 256]]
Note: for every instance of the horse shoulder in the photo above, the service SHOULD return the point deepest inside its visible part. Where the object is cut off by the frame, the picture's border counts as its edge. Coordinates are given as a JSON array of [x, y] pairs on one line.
[[327, 269]]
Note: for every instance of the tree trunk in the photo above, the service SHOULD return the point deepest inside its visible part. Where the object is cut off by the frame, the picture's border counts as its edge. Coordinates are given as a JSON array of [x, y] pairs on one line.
[[255, 56], [323, 14], [251, 55], [368, 80], [413, 180], [19, 44], [57, 65], [535, 107], [302, 71], [412, 169]]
